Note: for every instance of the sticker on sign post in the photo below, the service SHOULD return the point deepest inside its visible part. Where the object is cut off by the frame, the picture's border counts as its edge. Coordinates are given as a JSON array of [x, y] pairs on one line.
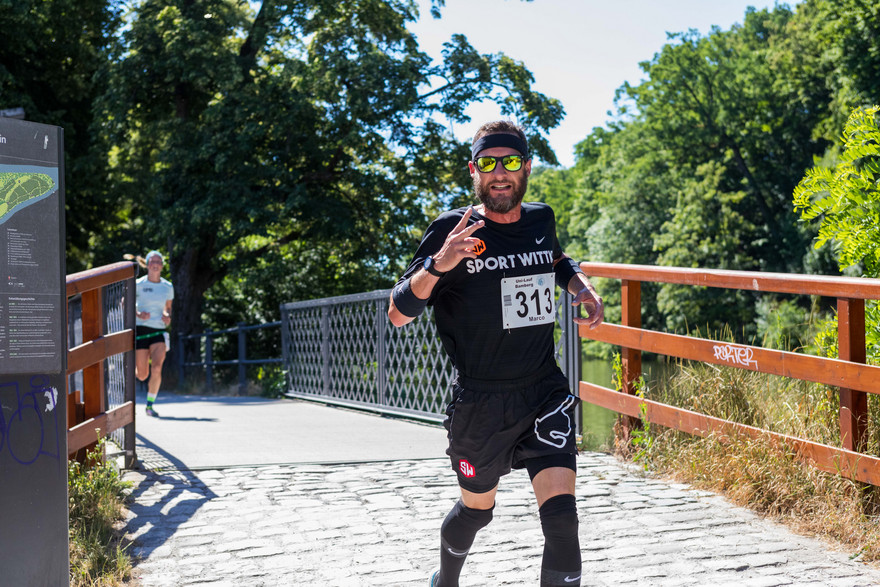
[[528, 300]]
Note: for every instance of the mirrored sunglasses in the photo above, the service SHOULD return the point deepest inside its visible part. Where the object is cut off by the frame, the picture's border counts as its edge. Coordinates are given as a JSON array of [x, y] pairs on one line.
[[509, 162]]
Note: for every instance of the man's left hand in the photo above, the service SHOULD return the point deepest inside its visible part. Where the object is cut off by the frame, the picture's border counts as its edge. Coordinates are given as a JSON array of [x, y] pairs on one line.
[[593, 305]]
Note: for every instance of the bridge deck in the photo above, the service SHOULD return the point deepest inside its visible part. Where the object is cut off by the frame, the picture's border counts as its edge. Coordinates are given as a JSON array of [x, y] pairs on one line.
[[198, 432], [239, 491]]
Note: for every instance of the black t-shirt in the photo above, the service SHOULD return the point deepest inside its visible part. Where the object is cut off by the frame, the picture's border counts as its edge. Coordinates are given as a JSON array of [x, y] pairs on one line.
[[495, 314]]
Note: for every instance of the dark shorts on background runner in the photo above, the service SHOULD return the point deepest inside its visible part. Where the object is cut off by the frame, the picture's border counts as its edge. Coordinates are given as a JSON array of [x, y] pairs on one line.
[[144, 336], [496, 426]]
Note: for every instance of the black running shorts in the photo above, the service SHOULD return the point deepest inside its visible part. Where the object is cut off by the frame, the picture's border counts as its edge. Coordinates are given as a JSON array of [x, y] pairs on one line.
[[144, 337], [496, 426]]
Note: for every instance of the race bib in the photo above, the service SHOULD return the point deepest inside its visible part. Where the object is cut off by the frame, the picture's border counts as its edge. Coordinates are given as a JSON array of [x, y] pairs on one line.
[[528, 300]]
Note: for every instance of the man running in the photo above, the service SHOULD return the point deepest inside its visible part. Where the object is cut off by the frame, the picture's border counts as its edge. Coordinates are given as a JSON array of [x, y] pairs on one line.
[[490, 273]]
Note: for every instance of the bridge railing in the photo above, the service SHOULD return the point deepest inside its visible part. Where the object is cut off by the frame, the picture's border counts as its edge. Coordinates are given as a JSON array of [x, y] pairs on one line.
[[100, 358], [344, 350], [206, 361], [848, 372]]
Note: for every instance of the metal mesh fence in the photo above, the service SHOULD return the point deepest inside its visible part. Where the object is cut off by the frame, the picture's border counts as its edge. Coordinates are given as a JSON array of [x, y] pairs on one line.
[[344, 349], [114, 367], [74, 338]]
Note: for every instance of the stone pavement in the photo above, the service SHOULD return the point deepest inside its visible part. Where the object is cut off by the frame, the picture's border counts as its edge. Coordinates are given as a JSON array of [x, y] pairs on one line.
[[377, 523]]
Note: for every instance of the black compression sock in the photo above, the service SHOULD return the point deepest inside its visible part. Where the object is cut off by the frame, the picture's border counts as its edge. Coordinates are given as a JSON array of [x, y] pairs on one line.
[[456, 537], [562, 551]]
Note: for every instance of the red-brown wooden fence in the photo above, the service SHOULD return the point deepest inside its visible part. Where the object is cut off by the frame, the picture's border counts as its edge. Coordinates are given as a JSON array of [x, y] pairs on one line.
[[84, 417], [848, 372]]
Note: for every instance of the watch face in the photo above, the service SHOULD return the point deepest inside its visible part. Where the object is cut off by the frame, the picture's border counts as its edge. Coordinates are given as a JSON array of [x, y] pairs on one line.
[[429, 267]]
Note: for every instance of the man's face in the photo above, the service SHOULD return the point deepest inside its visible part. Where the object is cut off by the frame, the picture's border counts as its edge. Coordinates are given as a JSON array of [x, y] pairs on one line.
[[500, 190], [155, 265]]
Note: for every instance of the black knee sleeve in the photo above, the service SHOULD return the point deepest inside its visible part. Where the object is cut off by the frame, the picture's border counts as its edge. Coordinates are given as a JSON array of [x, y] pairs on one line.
[[559, 517], [457, 534], [562, 553], [461, 525]]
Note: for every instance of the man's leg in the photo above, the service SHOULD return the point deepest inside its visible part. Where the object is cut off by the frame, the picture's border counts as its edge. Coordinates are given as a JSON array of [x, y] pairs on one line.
[[471, 513], [157, 357], [554, 490]]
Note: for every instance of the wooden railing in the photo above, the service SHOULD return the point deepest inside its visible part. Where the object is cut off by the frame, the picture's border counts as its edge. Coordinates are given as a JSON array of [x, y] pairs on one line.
[[848, 372], [83, 418]]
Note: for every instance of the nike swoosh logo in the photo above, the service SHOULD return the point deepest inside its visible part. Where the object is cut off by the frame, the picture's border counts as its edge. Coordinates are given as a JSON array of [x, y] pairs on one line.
[[454, 553], [538, 241], [570, 580]]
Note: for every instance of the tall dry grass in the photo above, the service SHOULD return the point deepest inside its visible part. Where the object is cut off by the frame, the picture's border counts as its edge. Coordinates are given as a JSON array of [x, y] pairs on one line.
[[757, 473]]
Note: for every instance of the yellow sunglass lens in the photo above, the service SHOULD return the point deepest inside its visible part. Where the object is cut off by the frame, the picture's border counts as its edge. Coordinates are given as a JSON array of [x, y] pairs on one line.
[[486, 164], [510, 163]]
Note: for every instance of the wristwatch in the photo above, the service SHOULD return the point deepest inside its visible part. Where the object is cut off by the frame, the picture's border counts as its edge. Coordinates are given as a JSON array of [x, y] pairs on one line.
[[429, 267]]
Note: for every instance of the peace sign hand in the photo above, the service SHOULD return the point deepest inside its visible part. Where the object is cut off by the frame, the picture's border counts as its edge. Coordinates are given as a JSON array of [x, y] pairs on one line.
[[459, 244]]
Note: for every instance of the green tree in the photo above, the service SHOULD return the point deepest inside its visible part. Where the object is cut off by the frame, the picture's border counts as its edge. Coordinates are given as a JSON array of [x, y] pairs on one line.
[[51, 57], [717, 98], [697, 168], [557, 187], [846, 202], [302, 132], [705, 224], [585, 207], [627, 190], [852, 35]]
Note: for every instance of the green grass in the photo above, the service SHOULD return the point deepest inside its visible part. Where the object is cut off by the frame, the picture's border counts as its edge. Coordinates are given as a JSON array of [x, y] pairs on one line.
[[96, 497]]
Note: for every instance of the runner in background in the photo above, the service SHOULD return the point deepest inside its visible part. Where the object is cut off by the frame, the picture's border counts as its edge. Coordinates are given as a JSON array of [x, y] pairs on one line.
[[154, 296]]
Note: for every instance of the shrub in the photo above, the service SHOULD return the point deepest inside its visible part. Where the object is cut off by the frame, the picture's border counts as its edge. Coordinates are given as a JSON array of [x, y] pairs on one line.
[[846, 200], [96, 495]]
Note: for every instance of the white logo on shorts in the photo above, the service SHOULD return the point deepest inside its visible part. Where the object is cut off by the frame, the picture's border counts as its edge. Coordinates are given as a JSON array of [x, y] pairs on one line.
[[558, 435]]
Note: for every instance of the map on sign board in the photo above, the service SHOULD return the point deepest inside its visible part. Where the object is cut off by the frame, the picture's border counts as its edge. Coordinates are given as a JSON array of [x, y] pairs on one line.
[[19, 190]]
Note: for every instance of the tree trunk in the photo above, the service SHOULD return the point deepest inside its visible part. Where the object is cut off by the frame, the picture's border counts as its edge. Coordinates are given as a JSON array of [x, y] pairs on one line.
[[191, 274]]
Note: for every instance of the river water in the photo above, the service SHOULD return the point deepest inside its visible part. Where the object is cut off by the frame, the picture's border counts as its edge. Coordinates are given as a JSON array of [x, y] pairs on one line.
[[597, 422]]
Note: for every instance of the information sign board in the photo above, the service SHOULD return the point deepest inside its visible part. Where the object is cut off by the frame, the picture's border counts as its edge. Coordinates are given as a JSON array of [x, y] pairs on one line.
[[33, 357]]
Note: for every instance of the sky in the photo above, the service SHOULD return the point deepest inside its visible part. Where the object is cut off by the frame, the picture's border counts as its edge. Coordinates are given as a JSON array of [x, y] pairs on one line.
[[579, 51]]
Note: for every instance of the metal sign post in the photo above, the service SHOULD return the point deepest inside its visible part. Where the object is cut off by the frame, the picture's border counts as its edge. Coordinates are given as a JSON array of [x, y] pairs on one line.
[[33, 357]]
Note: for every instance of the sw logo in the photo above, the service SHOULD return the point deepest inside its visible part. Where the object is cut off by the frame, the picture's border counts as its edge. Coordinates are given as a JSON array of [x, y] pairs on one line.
[[466, 468], [480, 247]]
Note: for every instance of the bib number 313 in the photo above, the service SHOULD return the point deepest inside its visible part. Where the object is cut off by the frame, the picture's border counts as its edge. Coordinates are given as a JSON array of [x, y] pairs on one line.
[[528, 300]]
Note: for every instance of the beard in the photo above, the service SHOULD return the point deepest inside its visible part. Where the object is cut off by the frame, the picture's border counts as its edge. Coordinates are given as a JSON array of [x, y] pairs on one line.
[[501, 204]]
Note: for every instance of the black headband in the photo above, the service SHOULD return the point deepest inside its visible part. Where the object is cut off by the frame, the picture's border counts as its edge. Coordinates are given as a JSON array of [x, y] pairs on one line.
[[499, 140]]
